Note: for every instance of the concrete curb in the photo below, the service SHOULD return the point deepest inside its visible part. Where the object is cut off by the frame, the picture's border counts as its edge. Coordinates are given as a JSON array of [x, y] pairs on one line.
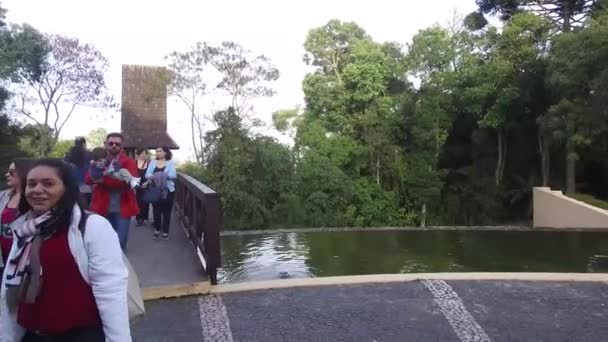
[[390, 278], [174, 291]]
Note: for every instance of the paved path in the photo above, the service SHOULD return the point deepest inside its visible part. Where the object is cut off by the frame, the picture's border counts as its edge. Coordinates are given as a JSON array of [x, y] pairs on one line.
[[430, 310], [160, 262]]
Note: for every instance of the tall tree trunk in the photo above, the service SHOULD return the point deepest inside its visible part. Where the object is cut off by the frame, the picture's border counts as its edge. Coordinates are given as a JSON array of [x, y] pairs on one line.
[[545, 158], [500, 162], [423, 218], [194, 146], [201, 140], [566, 13], [378, 169], [570, 169]]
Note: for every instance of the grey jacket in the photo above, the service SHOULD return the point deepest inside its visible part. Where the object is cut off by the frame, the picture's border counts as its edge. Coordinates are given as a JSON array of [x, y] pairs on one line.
[[5, 196]]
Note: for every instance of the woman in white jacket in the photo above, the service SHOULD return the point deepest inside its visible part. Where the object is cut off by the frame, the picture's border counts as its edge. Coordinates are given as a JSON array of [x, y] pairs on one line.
[[61, 282]]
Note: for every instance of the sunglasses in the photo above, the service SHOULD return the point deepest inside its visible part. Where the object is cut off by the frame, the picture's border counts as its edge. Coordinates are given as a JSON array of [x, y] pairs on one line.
[[114, 144]]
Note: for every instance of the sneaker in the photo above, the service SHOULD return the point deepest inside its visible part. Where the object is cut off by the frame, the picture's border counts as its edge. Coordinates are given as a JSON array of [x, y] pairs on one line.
[[134, 182], [165, 236], [156, 234]]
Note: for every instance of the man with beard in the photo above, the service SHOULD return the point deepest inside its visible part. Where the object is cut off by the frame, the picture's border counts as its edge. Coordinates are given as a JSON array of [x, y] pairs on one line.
[[114, 198]]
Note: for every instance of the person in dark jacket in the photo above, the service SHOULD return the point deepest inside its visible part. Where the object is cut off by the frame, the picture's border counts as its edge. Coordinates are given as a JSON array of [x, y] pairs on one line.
[[79, 158]]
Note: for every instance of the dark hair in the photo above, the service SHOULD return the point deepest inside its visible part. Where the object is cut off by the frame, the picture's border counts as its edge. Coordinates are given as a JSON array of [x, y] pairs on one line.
[[114, 135], [80, 141], [78, 153], [168, 153], [22, 167], [70, 198], [99, 153], [140, 151]]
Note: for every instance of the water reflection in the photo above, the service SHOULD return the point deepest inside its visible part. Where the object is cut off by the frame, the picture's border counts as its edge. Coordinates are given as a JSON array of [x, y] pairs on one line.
[[264, 257], [269, 256]]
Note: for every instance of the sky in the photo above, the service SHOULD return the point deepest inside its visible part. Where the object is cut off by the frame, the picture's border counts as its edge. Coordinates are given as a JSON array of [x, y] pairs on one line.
[[143, 32]]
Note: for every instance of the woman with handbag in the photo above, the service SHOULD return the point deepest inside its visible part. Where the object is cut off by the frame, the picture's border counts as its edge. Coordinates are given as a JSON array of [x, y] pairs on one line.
[[83, 293], [160, 189]]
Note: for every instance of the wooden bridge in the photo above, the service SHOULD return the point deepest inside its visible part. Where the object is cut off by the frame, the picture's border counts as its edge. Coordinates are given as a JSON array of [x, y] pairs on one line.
[[187, 263]]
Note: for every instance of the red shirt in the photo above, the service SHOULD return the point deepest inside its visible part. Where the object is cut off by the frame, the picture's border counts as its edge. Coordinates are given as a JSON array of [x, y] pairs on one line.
[[100, 201], [65, 300], [6, 234]]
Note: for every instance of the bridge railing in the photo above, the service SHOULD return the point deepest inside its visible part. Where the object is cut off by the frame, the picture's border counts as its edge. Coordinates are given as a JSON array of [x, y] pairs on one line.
[[200, 210]]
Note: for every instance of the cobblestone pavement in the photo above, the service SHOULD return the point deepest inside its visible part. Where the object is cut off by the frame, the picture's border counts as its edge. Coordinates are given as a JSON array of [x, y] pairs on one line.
[[430, 310]]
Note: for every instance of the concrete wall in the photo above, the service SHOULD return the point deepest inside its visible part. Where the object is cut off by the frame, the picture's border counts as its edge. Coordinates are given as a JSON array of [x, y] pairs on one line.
[[552, 209]]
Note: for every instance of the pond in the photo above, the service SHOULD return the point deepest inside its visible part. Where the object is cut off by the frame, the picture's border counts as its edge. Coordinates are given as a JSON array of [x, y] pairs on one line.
[[321, 254]]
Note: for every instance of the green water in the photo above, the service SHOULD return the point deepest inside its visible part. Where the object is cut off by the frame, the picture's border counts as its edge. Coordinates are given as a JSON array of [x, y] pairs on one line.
[[321, 254]]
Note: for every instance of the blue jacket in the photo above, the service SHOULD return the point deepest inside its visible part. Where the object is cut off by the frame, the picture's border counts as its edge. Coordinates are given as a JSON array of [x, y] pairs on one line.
[[170, 169]]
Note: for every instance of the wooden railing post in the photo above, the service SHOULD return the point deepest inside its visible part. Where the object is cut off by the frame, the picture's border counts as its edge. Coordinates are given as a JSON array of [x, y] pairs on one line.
[[211, 239], [201, 212]]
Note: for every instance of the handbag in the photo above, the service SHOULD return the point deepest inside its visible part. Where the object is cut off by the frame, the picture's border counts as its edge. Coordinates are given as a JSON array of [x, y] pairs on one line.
[[155, 193], [152, 194], [134, 298]]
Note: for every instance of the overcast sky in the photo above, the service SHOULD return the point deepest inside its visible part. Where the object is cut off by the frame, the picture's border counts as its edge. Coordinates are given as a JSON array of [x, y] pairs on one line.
[[143, 32]]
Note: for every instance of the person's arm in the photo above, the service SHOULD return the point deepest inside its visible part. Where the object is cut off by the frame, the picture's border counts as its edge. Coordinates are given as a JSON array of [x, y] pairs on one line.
[[171, 170], [150, 169], [131, 166], [87, 177], [113, 183], [109, 278]]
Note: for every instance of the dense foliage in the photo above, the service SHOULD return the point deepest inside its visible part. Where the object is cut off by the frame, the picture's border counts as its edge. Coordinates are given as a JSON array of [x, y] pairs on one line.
[[455, 128]]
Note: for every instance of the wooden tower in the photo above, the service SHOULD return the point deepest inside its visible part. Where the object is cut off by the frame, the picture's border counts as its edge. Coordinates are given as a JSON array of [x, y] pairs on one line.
[[144, 108]]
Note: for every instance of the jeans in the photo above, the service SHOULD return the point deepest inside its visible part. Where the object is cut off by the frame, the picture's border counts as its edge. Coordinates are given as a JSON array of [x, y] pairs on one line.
[[121, 226], [162, 213], [74, 335]]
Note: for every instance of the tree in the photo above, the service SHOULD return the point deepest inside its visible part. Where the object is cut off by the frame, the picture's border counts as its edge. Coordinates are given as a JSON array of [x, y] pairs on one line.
[[10, 135], [61, 148], [72, 76], [518, 52], [22, 55], [579, 73], [563, 13], [244, 76], [328, 47], [188, 84], [96, 137], [437, 56]]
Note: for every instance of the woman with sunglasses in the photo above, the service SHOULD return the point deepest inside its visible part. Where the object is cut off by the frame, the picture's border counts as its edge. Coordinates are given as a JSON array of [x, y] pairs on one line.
[[9, 202], [65, 278]]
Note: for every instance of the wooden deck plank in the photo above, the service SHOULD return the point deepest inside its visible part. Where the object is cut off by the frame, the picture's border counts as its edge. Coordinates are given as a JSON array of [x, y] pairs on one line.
[[173, 263]]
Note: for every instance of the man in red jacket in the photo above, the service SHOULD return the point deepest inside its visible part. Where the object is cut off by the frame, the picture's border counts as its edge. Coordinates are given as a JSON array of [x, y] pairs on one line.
[[114, 198]]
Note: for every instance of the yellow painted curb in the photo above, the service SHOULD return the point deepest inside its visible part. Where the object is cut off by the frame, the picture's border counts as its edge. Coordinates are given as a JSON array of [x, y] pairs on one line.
[[173, 291], [391, 278]]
